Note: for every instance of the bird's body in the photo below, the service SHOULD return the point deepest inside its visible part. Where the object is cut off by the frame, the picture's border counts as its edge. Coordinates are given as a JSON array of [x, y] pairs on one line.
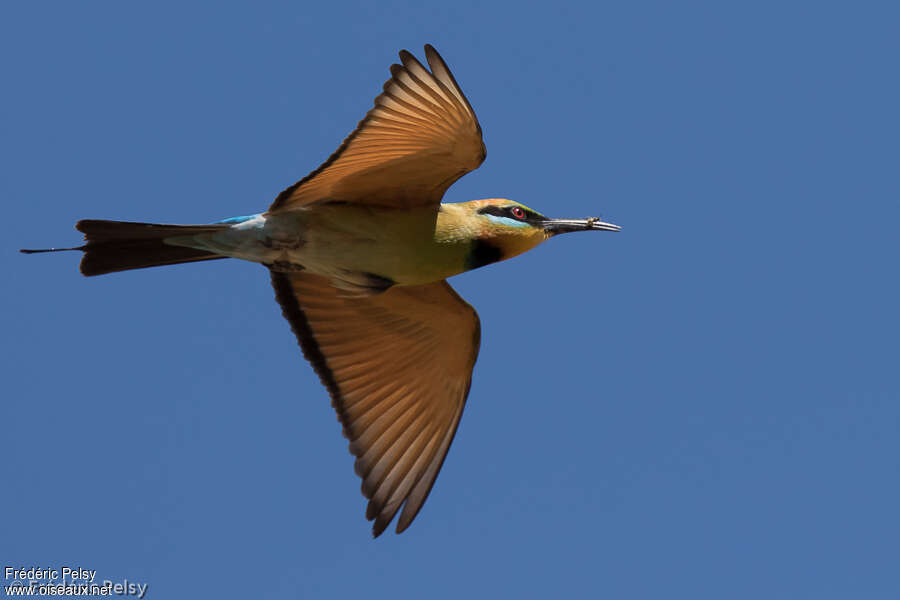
[[359, 252], [354, 244]]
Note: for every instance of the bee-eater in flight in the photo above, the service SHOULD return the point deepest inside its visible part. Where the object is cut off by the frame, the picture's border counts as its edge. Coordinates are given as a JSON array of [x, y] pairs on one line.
[[359, 252]]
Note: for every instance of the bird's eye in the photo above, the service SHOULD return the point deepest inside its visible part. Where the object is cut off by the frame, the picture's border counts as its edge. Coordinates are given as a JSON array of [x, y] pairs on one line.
[[517, 212]]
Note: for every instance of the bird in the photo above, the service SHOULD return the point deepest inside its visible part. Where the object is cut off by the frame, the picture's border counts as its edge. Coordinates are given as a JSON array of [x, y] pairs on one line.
[[359, 252]]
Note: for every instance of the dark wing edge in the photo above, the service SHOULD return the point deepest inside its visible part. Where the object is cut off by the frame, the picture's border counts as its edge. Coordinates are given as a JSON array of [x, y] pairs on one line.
[[290, 309]]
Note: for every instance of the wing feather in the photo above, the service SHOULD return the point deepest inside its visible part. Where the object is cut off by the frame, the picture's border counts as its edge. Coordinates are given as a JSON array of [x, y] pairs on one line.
[[398, 367], [420, 137]]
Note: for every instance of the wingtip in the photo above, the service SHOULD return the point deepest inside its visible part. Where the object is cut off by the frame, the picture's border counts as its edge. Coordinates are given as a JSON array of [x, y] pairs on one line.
[[402, 526], [379, 527], [429, 49], [434, 57]]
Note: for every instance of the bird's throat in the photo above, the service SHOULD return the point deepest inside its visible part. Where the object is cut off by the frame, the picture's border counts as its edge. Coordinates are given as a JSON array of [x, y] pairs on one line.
[[482, 253]]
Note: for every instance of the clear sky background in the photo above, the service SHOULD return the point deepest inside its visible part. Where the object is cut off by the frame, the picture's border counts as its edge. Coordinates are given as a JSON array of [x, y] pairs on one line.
[[706, 405]]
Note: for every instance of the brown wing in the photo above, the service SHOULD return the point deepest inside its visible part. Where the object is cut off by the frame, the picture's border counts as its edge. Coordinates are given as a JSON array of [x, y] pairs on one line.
[[421, 136], [398, 366]]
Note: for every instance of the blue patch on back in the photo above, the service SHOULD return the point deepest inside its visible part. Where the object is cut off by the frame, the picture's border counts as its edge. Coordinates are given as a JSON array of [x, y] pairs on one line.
[[234, 220]]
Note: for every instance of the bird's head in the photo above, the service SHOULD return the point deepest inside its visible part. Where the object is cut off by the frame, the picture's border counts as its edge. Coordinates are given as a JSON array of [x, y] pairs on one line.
[[502, 229]]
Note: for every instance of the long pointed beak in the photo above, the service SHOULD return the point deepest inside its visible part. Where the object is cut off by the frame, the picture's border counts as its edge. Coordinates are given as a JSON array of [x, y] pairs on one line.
[[557, 226]]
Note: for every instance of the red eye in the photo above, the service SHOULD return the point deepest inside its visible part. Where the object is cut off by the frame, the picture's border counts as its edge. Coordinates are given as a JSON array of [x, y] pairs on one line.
[[517, 212]]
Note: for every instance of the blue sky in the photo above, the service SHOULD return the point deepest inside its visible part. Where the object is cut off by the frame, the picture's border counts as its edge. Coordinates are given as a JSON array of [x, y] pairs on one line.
[[705, 405]]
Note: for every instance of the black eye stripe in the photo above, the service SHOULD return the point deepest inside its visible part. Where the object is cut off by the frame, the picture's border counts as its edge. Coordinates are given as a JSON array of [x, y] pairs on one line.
[[497, 211], [507, 211]]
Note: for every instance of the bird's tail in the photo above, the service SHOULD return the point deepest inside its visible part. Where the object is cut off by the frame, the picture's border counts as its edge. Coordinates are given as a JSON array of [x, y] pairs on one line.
[[121, 246]]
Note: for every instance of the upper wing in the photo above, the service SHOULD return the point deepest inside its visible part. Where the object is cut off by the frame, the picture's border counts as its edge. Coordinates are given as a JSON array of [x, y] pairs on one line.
[[421, 136], [398, 367]]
